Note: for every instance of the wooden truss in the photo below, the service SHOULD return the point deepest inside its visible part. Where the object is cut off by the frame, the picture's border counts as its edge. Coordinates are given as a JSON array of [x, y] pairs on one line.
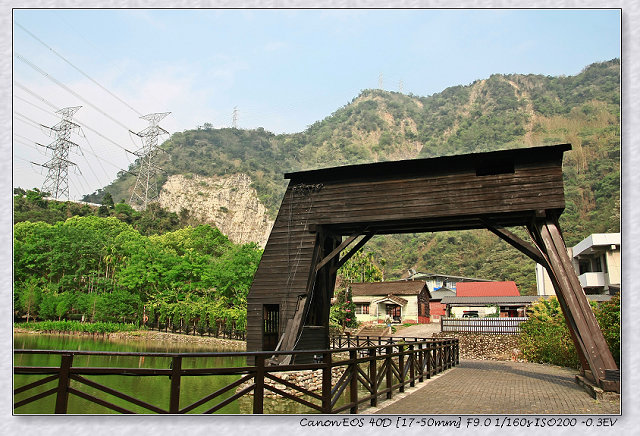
[[330, 211]]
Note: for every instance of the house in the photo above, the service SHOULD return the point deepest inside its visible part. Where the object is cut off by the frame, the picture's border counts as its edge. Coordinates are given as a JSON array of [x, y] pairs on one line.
[[404, 301], [436, 281], [596, 260], [479, 299], [437, 308]]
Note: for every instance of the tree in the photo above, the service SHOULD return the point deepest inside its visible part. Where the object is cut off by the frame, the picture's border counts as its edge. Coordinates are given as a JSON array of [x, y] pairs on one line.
[[29, 298], [343, 312], [107, 200]]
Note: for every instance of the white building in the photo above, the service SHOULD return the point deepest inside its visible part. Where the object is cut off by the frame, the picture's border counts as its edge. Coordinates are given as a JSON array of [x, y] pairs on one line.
[[596, 260], [436, 281]]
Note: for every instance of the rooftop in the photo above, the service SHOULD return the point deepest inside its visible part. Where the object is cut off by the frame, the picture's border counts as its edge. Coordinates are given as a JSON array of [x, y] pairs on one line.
[[401, 287], [486, 289], [587, 245]]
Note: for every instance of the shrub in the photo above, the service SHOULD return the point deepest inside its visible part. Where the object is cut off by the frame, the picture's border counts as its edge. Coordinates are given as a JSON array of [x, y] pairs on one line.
[[545, 337]]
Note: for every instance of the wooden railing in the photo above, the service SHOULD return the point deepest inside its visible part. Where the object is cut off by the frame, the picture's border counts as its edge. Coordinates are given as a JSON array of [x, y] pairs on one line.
[[498, 326], [378, 370]]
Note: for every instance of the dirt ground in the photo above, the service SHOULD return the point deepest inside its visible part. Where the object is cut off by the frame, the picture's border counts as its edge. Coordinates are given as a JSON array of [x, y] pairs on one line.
[[418, 330]]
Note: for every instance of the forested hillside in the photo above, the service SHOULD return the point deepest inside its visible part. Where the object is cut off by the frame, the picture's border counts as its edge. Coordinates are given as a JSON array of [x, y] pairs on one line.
[[502, 111]]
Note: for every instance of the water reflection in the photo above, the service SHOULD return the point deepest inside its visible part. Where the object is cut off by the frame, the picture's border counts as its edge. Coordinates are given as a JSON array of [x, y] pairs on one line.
[[153, 390]]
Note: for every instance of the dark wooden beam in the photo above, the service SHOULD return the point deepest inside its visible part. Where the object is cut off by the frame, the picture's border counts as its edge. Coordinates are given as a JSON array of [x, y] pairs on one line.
[[354, 250], [588, 337], [337, 251], [525, 247]]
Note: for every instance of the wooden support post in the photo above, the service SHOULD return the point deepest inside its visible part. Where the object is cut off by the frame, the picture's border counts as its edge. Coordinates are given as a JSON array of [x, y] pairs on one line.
[[373, 376], [326, 382], [389, 374], [588, 338], [176, 370], [401, 366], [258, 390], [353, 382], [421, 362], [412, 368], [62, 398]]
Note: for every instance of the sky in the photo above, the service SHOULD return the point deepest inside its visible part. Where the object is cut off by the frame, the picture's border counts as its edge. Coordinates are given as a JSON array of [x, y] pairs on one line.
[[281, 69]]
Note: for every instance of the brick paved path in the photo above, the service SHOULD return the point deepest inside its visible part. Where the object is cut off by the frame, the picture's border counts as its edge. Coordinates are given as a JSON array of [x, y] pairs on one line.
[[493, 387]]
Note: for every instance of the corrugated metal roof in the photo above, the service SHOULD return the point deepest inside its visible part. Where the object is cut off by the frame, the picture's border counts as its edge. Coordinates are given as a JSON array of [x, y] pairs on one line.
[[509, 300], [401, 287], [487, 289], [441, 293]]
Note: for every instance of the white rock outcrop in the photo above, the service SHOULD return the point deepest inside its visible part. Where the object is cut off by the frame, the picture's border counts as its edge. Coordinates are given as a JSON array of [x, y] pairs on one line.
[[228, 202]]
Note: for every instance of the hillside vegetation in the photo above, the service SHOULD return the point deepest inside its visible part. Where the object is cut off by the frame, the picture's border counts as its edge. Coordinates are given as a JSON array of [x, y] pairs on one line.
[[499, 112]]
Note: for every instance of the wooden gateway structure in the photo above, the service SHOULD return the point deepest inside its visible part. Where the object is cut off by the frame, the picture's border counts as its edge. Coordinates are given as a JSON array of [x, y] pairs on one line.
[[330, 211]]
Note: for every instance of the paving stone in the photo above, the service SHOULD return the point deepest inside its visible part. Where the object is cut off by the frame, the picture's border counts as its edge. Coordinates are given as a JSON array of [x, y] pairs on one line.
[[503, 388]]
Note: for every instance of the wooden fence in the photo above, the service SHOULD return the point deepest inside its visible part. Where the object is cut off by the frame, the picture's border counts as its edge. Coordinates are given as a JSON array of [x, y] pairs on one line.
[[380, 369], [498, 326]]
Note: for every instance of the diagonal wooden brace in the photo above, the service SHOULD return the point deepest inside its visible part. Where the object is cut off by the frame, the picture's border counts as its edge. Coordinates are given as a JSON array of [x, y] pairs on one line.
[[586, 334]]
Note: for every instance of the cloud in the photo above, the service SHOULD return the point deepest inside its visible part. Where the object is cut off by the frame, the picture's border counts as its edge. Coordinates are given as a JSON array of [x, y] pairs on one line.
[[273, 46]]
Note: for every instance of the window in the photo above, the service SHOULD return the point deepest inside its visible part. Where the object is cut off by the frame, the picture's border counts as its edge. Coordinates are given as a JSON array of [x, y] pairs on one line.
[[362, 308]]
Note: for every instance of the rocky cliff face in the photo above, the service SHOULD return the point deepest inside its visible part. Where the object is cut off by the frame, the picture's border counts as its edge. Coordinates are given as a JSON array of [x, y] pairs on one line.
[[229, 203]]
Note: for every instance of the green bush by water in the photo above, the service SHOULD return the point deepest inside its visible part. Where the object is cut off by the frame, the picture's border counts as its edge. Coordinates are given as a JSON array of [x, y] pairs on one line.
[[76, 326]]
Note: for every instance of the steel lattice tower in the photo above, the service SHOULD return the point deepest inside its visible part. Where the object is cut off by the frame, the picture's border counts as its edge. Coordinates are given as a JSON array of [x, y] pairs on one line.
[[56, 182], [146, 187]]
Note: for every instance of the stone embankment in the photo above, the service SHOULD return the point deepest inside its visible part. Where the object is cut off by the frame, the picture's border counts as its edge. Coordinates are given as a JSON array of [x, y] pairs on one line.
[[147, 335], [486, 347], [309, 380]]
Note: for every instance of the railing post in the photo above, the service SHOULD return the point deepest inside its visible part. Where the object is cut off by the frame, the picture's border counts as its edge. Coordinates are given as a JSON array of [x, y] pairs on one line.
[[401, 366], [326, 382], [176, 370], [62, 399], [389, 375], [420, 362], [412, 368], [353, 382], [373, 376], [258, 390], [429, 358]]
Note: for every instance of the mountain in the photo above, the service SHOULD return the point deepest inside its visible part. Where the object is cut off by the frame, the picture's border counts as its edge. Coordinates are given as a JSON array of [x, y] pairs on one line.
[[500, 112]]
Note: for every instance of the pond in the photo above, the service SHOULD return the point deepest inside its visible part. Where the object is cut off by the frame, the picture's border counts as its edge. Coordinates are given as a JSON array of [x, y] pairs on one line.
[[153, 390]]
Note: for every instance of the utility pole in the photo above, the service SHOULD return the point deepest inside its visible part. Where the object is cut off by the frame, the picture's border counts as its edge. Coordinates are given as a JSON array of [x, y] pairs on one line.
[[400, 86], [146, 187], [380, 81], [57, 180], [234, 119]]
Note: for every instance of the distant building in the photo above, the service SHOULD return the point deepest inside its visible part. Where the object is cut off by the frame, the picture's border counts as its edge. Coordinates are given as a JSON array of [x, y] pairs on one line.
[[437, 308], [486, 299], [596, 260], [436, 281], [402, 301]]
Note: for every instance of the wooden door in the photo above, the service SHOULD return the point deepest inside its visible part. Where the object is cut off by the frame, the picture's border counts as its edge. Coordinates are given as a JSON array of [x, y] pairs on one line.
[[270, 326]]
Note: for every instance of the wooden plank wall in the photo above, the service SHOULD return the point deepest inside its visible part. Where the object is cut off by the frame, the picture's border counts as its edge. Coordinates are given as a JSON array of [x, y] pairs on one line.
[[389, 204]]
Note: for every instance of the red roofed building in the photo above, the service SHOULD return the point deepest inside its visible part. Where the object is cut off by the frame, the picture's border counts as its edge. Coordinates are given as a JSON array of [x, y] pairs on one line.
[[479, 299], [487, 289]]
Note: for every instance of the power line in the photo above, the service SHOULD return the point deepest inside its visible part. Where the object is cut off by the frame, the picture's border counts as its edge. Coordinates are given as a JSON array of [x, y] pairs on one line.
[[78, 69], [79, 122], [69, 90]]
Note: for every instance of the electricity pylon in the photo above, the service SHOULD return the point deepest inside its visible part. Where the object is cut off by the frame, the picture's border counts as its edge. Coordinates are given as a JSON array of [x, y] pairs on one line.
[[145, 190], [56, 183]]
